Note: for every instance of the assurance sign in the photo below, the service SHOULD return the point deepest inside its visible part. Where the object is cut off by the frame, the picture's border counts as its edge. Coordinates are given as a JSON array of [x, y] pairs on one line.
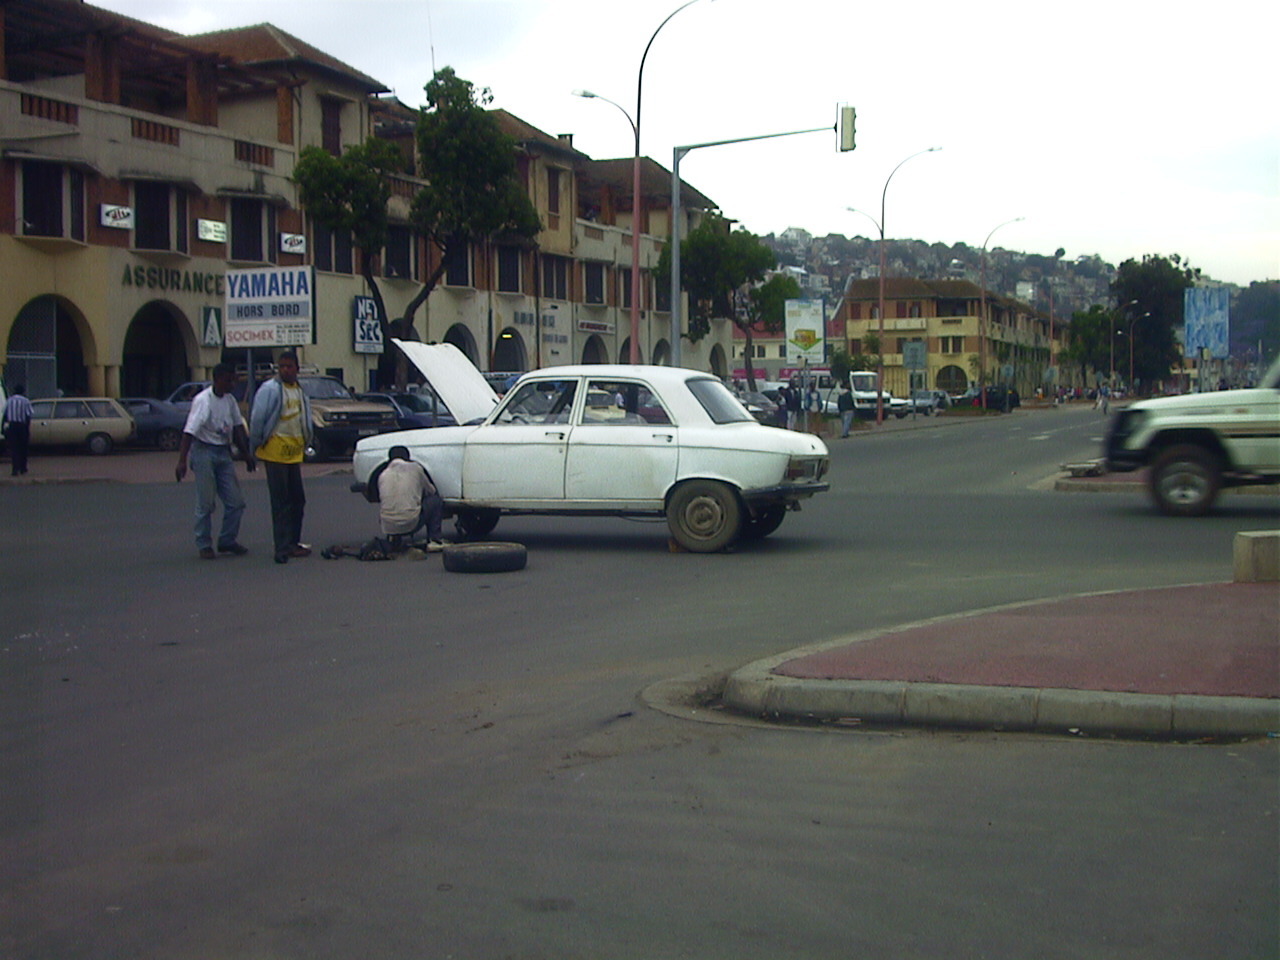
[[270, 307]]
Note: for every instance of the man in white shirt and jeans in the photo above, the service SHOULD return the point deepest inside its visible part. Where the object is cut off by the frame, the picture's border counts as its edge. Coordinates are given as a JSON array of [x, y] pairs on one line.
[[213, 425], [408, 499]]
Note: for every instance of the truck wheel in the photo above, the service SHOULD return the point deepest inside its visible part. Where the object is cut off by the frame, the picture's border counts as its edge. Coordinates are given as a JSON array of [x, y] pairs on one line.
[[476, 523], [484, 557], [1185, 480], [704, 516], [764, 522]]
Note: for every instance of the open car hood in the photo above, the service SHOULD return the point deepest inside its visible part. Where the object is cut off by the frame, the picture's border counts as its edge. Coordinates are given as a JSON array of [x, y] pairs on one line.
[[455, 378]]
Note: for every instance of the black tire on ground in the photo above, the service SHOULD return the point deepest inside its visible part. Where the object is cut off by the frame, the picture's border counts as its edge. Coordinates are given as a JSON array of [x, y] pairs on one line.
[[764, 522], [99, 444], [493, 557], [169, 438], [476, 523], [1185, 480], [704, 516]]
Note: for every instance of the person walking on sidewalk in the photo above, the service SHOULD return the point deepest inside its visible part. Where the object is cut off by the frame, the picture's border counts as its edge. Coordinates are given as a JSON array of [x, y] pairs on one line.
[[279, 431], [213, 425], [17, 428], [844, 403]]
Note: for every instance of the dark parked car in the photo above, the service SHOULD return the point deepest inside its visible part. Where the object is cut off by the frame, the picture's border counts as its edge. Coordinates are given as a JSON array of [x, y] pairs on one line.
[[159, 422], [414, 410], [995, 397]]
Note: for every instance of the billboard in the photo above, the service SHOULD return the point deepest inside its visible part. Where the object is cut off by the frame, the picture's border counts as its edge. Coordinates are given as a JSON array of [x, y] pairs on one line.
[[1204, 316], [805, 339], [270, 307]]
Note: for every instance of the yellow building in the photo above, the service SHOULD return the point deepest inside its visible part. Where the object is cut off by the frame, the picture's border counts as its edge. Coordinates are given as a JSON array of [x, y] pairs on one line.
[[137, 166], [968, 334]]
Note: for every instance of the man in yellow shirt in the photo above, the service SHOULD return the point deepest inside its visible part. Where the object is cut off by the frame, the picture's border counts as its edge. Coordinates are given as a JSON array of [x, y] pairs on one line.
[[279, 431]]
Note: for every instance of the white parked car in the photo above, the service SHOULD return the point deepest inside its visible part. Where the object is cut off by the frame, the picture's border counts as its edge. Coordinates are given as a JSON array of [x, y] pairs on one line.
[[605, 440]]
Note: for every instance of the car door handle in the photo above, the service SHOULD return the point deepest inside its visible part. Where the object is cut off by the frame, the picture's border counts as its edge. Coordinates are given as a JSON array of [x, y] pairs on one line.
[[555, 433], [663, 436]]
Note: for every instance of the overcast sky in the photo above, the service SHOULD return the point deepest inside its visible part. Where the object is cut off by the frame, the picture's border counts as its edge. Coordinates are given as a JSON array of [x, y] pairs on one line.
[[1115, 127]]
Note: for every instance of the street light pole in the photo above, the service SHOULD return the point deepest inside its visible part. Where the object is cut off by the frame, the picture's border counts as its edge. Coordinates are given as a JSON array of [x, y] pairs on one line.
[[1131, 323], [1111, 341], [676, 156], [982, 312], [880, 368]]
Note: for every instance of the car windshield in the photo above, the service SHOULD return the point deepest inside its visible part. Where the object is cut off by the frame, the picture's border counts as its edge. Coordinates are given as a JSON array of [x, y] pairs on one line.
[[323, 388], [538, 401], [718, 400], [420, 402], [863, 382]]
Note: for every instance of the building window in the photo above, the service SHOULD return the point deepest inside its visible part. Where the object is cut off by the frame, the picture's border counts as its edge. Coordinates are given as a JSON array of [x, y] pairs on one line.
[[160, 216], [855, 311], [593, 282], [624, 287], [247, 224], [555, 277], [553, 190], [915, 309], [52, 201], [662, 297], [508, 269], [457, 264], [397, 258], [330, 249], [902, 310], [875, 313], [331, 125]]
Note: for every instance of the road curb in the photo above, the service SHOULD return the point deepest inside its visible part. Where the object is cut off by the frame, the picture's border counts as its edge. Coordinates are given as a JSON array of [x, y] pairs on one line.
[[755, 690]]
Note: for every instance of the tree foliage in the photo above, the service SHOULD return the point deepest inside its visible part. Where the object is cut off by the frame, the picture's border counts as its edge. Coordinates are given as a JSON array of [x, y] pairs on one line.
[[766, 308], [349, 194], [714, 264], [1088, 343], [1153, 285]]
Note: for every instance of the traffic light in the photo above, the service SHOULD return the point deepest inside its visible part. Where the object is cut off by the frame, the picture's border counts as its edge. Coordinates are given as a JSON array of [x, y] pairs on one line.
[[847, 117]]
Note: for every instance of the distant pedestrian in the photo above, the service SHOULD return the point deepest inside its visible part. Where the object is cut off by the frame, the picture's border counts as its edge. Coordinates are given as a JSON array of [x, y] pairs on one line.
[[795, 403], [813, 407], [213, 425], [279, 431], [844, 404], [17, 428]]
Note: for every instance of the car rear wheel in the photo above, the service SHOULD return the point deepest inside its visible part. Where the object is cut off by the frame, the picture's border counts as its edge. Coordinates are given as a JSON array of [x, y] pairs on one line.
[[169, 439], [1185, 480], [99, 444], [764, 522], [476, 523], [704, 516]]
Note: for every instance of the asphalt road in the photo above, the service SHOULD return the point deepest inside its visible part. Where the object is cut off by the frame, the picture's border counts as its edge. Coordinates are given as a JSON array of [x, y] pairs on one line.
[[337, 759]]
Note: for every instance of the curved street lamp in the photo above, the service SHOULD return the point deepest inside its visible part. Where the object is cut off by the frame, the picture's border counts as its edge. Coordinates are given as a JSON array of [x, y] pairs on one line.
[[880, 224], [982, 313], [634, 355]]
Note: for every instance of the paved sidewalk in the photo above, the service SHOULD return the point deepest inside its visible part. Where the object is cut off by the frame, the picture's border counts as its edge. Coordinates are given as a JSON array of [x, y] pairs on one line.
[[1188, 661], [128, 466]]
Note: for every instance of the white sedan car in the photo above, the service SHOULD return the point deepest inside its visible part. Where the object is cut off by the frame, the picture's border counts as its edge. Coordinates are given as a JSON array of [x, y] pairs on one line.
[[605, 440]]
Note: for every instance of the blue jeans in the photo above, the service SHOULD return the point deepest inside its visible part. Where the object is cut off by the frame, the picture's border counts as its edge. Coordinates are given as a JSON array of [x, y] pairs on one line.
[[215, 476], [846, 421]]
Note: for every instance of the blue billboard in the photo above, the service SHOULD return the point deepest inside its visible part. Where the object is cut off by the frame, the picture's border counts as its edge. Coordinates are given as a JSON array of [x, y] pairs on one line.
[[1204, 315]]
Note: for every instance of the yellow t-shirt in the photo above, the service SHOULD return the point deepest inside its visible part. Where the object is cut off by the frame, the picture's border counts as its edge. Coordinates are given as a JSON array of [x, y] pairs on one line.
[[286, 444]]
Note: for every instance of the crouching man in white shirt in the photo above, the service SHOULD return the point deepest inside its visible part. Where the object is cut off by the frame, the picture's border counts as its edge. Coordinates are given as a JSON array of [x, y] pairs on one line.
[[409, 500]]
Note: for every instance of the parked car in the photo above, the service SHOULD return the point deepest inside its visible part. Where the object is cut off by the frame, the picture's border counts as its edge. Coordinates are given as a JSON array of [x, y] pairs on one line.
[[415, 410], [996, 395], [679, 445], [1199, 443], [338, 419], [95, 423], [759, 406], [928, 402], [181, 397], [159, 422]]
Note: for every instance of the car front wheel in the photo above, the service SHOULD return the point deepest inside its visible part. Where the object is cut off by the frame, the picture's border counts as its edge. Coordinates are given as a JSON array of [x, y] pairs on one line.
[[704, 516], [1185, 480], [99, 444]]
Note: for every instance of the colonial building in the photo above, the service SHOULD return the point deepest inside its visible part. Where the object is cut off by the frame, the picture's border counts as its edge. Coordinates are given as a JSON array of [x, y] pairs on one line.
[[137, 166], [964, 330]]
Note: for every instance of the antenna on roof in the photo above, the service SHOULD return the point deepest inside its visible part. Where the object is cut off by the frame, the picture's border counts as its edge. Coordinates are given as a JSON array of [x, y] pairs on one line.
[[431, 39]]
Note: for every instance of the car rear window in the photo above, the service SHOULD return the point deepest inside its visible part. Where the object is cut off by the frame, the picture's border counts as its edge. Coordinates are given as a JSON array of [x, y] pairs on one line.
[[719, 402]]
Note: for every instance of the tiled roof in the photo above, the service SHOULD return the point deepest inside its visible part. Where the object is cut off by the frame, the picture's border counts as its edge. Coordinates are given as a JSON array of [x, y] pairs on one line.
[[525, 132], [655, 181], [264, 45], [898, 288]]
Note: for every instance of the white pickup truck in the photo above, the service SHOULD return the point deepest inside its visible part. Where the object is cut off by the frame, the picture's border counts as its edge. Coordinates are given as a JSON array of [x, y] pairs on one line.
[[1197, 444]]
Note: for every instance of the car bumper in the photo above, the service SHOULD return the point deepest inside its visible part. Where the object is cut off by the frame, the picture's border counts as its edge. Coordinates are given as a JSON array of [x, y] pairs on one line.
[[784, 492]]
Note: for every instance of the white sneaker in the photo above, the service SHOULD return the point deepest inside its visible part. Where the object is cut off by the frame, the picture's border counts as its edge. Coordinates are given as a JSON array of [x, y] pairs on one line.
[[435, 546]]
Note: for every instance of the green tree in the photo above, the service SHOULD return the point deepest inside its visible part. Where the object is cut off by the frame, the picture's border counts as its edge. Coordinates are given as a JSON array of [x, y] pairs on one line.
[[714, 264], [349, 194], [766, 308], [475, 194], [1152, 286], [1255, 319], [1088, 343]]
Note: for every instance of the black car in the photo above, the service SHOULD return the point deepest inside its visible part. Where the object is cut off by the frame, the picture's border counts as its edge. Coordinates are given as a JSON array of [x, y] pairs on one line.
[[996, 395], [159, 422], [414, 410]]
